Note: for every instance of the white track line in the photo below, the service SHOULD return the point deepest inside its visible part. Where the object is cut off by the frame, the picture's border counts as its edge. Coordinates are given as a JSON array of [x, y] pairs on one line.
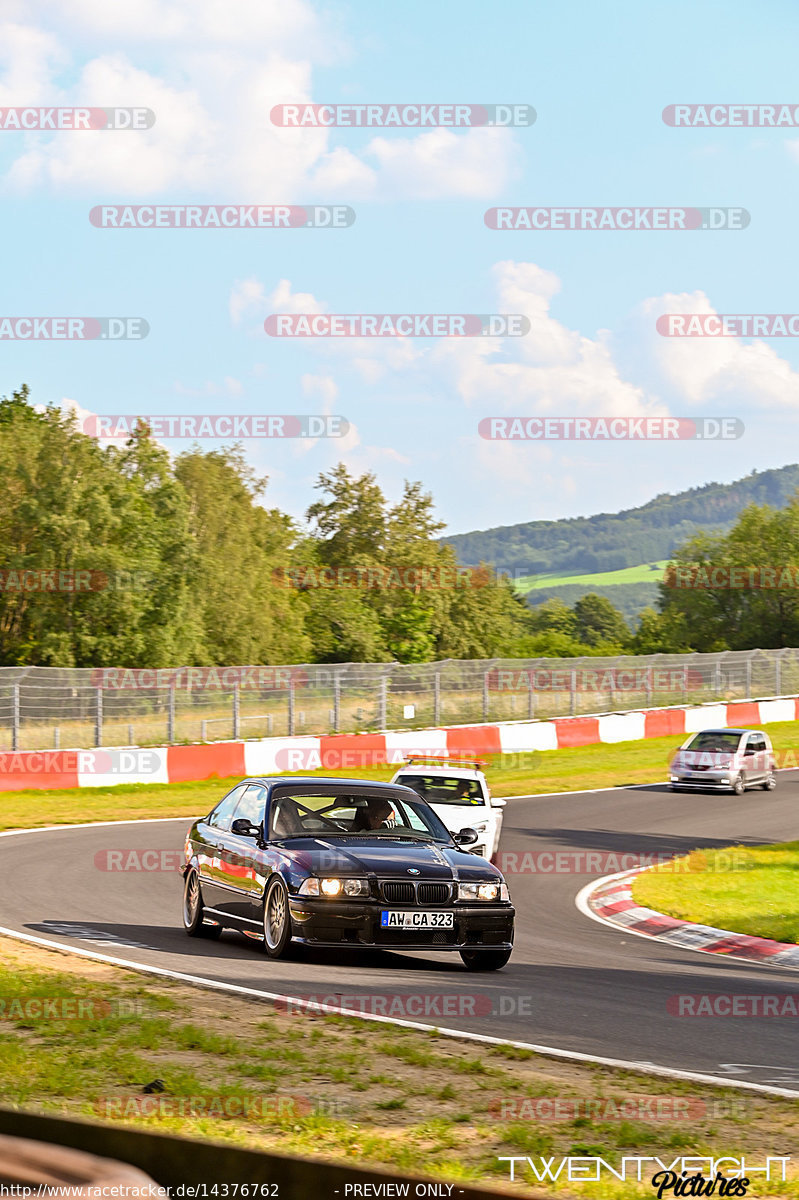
[[276, 997]]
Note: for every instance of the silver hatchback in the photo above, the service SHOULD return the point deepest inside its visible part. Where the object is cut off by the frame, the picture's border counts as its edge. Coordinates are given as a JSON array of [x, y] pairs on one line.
[[724, 760]]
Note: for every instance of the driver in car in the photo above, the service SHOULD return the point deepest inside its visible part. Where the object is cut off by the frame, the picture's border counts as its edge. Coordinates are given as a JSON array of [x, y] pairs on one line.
[[377, 813]]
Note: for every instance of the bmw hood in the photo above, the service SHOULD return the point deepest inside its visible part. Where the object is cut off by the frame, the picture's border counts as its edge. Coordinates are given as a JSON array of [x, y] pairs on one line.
[[390, 859]]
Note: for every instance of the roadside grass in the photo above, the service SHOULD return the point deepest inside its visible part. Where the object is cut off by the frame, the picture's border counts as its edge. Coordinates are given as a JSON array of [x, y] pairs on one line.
[[746, 889], [533, 772], [342, 1089]]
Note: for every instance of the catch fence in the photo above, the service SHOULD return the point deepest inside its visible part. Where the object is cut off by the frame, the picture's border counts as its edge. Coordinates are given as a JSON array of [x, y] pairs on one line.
[[54, 707]]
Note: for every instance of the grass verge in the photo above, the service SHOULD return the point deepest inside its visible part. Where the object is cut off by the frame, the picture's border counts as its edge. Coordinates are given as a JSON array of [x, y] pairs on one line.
[[344, 1089], [531, 773], [746, 889]]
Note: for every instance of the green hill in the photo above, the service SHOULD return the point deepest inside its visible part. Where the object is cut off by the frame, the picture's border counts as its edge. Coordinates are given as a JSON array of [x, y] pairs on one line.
[[614, 542]]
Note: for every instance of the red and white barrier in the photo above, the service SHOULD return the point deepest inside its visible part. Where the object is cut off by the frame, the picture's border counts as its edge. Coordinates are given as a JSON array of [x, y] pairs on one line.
[[276, 755]]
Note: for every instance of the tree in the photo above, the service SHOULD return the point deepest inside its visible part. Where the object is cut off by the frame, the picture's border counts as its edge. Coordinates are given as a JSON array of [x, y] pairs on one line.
[[597, 621]]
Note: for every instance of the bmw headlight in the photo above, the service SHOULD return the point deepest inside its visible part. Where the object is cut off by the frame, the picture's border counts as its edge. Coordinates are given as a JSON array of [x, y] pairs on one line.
[[334, 887], [483, 891]]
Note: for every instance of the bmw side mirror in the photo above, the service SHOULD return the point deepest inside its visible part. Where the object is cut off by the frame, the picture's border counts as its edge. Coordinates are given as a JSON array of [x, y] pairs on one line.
[[465, 837], [245, 828]]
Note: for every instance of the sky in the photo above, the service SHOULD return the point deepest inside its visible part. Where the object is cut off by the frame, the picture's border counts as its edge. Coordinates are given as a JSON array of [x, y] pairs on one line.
[[598, 77]]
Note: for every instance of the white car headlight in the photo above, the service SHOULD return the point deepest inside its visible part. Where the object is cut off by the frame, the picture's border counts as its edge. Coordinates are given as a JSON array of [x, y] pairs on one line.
[[490, 890], [333, 887]]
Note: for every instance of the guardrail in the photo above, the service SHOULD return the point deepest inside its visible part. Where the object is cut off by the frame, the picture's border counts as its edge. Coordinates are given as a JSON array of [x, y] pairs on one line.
[[175, 1161]]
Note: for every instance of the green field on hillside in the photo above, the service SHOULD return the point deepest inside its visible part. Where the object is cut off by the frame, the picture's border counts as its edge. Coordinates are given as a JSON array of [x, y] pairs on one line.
[[643, 573]]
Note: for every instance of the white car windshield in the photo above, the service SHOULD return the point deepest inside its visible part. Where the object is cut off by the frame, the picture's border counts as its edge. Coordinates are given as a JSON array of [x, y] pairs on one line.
[[446, 789]]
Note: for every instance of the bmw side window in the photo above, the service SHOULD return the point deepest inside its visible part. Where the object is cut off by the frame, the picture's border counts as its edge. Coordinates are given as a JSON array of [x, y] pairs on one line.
[[222, 815], [251, 805]]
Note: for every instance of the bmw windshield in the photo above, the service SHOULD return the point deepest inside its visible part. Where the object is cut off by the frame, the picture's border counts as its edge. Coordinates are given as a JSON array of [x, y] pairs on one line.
[[296, 814]]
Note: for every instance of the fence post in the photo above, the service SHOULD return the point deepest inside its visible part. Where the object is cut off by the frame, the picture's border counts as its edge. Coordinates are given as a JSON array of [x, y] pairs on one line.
[[56, 738], [718, 679], [649, 687], [530, 695], [236, 712], [777, 675], [382, 718], [573, 691], [130, 735], [98, 723], [437, 698], [15, 719], [203, 731], [748, 679], [336, 702], [170, 721], [485, 695], [291, 706]]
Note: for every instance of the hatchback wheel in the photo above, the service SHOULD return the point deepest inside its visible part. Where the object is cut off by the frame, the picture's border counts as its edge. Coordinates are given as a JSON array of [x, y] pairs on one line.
[[739, 785], [194, 910], [277, 919], [770, 782]]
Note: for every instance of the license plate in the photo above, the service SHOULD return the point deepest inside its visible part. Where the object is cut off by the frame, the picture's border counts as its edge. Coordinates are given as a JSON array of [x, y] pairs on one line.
[[391, 919]]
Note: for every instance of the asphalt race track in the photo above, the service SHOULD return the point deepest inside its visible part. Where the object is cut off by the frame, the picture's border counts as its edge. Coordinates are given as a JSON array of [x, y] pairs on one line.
[[572, 983]]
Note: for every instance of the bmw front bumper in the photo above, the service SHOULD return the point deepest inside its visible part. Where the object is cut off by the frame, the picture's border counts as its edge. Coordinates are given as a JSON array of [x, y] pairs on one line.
[[332, 923]]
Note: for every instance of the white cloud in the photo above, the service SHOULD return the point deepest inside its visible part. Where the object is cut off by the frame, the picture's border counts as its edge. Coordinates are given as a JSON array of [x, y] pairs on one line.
[[710, 371], [478, 163], [246, 294], [212, 76]]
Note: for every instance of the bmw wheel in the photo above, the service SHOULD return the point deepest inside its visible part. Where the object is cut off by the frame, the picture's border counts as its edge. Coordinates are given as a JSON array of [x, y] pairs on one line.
[[194, 910], [277, 919], [484, 960]]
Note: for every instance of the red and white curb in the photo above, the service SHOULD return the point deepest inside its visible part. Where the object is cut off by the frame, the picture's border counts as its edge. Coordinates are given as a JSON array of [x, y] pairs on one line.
[[273, 755], [610, 901]]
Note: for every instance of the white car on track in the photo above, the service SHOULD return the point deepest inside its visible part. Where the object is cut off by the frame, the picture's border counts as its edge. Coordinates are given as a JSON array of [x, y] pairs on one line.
[[458, 792]]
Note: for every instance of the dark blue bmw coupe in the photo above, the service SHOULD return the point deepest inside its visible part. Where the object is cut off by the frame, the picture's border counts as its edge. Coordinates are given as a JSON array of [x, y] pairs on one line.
[[343, 862]]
